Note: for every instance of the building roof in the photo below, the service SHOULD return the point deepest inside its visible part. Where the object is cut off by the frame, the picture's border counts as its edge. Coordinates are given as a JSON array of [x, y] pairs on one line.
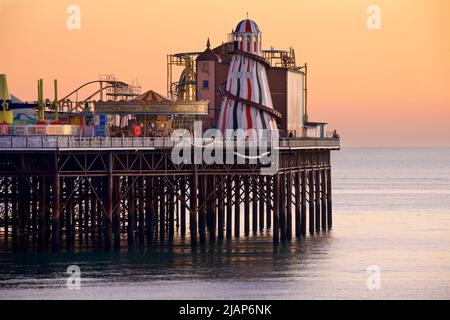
[[207, 55], [151, 96], [247, 26], [152, 103], [221, 52], [14, 99], [16, 103], [216, 54]]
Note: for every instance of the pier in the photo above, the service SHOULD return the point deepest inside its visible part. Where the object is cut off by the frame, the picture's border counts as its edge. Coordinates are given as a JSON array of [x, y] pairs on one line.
[[67, 191], [103, 172]]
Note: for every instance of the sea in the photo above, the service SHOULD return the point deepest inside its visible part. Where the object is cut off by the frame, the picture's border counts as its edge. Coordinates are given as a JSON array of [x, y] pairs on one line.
[[390, 240]]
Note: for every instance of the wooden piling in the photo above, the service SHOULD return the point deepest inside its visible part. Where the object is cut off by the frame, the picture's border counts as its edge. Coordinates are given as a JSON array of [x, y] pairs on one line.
[[34, 210], [80, 210], [237, 205], [56, 209], [183, 206], [116, 205], [69, 212], [269, 201], [229, 188], [255, 204], [109, 206], [150, 208], [298, 204], [193, 213], [86, 201], [131, 210], [42, 212], [311, 201], [289, 178], [220, 207], [162, 208], [212, 208], [282, 207], [329, 211], [141, 219], [303, 203], [101, 203], [6, 204], [246, 186], [21, 204], [276, 208], [93, 205], [262, 196], [171, 206], [323, 196], [317, 198], [21, 210], [202, 211]]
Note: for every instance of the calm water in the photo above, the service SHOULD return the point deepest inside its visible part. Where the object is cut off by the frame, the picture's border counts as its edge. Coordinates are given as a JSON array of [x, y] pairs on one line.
[[391, 209]]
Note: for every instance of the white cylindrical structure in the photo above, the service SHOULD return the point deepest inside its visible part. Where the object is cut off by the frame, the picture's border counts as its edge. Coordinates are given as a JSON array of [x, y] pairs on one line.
[[247, 102]]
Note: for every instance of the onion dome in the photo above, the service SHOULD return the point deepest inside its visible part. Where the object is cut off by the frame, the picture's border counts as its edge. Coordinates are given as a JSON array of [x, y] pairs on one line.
[[247, 26]]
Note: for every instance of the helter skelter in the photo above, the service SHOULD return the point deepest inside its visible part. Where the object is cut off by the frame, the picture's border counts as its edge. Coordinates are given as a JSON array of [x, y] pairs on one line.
[[247, 102]]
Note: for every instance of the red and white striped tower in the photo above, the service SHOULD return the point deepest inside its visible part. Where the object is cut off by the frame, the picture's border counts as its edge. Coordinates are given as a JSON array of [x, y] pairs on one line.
[[247, 103]]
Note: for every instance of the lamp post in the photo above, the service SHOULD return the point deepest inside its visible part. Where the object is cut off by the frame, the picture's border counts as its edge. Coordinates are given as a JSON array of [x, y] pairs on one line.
[[55, 102], [41, 104]]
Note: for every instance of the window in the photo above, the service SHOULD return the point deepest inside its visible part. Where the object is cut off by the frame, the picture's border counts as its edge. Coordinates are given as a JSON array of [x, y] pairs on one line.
[[205, 84], [205, 67]]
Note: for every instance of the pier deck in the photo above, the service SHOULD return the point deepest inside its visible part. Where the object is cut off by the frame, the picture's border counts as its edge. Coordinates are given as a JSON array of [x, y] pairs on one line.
[[31, 143]]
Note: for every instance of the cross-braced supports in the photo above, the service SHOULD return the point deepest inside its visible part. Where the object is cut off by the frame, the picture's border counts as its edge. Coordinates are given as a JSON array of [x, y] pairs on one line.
[[136, 198]]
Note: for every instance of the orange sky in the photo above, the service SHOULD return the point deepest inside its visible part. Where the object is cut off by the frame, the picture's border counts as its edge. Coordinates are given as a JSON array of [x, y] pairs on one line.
[[388, 87]]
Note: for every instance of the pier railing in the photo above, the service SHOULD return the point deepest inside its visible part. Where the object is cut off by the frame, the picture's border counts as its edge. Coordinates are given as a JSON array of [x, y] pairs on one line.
[[77, 143]]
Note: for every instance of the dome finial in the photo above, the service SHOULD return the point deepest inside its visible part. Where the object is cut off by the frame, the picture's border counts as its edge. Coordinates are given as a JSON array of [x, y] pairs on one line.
[[208, 44]]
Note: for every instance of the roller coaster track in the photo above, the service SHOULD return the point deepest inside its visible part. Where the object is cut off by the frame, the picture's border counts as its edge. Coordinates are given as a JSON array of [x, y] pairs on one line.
[[111, 84]]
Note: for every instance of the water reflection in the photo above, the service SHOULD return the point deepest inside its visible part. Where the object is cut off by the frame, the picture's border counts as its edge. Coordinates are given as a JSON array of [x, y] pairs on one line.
[[251, 258]]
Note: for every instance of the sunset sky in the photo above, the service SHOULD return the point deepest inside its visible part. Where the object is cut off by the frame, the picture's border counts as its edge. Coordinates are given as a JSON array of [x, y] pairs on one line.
[[387, 87]]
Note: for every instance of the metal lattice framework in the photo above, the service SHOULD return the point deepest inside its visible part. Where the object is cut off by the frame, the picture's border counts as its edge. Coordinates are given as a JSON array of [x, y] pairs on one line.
[[105, 196]]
